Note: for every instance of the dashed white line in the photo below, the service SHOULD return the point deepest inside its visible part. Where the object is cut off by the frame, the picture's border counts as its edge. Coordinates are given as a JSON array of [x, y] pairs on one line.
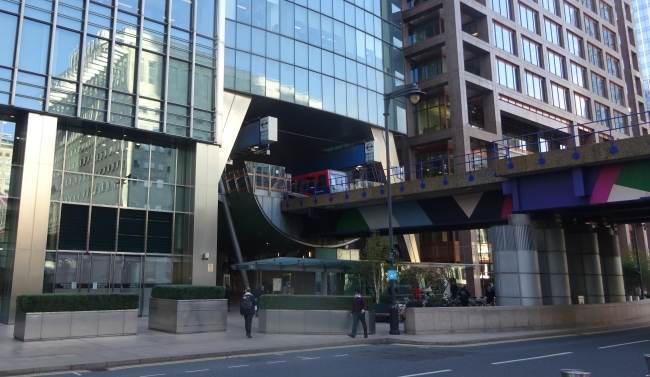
[[198, 370], [624, 344], [238, 366], [275, 362], [75, 373], [152, 375], [345, 354], [308, 358], [532, 358], [425, 373]]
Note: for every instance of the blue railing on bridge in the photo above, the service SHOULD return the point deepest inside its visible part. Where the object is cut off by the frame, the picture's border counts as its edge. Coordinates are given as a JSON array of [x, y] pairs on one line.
[[528, 144]]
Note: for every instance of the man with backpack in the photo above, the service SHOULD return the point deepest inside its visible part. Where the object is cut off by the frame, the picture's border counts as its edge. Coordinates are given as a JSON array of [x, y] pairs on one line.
[[247, 309]]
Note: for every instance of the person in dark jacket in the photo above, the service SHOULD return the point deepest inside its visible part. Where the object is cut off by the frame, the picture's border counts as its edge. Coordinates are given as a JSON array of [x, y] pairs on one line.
[[463, 296], [453, 288], [247, 309], [358, 313], [490, 295], [259, 291]]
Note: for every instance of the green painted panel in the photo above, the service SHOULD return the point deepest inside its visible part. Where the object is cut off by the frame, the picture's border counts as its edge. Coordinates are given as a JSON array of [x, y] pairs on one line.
[[635, 175], [351, 221]]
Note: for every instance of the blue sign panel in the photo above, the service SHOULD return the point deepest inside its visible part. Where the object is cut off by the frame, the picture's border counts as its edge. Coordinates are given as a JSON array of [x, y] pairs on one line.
[[392, 274]]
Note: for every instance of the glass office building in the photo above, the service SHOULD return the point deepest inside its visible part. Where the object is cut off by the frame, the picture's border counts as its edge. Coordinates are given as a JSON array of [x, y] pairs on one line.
[[642, 27], [110, 149], [338, 56]]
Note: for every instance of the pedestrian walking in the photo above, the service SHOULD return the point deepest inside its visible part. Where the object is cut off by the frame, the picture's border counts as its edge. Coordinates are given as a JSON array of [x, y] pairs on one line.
[[259, 291], [358, 313], [418, 292], [490, 295], [453, 288], [463, 296], [247, 309]]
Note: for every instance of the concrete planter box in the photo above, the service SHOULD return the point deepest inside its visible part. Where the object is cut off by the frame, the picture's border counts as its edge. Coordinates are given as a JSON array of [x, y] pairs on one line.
[[427, 321], [325, 322], [65, 325], [187, 316]]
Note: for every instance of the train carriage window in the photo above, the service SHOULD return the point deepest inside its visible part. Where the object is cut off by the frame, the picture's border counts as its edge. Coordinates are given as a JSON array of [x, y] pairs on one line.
[[322, 180]]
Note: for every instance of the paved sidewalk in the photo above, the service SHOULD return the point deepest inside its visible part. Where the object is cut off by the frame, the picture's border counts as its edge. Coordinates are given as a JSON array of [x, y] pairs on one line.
[[149, 346]]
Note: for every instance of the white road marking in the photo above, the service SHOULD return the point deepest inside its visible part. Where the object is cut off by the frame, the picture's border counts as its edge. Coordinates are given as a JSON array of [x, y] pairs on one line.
[[309, 358], [623, 344], [152, 375], [238, 366], [532, 358], [345, 354], [198, 370], [78, 374], [275, 362], [425, 373]]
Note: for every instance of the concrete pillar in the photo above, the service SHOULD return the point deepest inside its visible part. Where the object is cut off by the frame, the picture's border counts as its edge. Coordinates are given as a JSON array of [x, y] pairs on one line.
[[583, 259], [610, 263], [553, 268], [516, 268]]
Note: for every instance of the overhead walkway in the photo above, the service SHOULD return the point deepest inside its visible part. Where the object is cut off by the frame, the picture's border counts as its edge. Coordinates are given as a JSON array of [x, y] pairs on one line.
[[254, 196]]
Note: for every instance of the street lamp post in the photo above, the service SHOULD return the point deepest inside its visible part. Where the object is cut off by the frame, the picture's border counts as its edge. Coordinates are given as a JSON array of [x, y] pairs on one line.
[[413, 93]]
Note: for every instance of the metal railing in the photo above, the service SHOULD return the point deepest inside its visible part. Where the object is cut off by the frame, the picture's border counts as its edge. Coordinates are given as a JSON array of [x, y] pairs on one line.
[[569, 137]]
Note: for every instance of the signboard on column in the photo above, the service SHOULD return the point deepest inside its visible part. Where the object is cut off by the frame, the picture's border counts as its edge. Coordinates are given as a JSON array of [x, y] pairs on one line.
[[371, 152], [268, 130]]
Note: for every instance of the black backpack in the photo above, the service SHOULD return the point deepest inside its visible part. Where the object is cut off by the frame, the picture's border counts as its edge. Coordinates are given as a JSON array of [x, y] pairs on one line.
[[247, 302]]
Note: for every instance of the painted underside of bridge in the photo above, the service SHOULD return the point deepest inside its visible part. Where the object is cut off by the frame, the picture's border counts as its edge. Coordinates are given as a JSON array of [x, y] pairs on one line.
[[615, 193]]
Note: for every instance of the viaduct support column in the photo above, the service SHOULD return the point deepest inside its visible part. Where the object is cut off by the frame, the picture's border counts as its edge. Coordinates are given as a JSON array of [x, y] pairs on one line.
[[583, 258], [516, 269], [553, 268], [610, 263]]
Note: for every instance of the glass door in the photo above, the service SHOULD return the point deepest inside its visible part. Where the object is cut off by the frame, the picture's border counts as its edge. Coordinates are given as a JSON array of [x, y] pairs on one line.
[[100, 273], [131, 277], [66, 277]]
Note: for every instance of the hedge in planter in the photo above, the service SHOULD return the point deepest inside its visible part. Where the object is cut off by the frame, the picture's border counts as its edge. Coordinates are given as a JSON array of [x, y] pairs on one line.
[[298, 302], [188, 292], [187, 309], [75, 302], [62, 316]]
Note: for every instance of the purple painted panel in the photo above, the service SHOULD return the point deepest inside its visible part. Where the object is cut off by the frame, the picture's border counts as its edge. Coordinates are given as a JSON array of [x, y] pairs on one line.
[[546, 191]]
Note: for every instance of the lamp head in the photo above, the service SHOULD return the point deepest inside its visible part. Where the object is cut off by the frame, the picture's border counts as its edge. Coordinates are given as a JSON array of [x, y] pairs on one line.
[[414, 94]]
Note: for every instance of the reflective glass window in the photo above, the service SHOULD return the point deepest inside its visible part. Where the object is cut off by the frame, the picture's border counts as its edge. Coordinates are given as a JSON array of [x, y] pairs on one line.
[[244, 11], [8, 40], [123, 62], [150, 115], [340, 97], [259, 42], [350, 42], [315, 34], [259, 13], [327, 29], [315, 58], [34, 47], [302, 86], [273, 46], [203, 88], [328, 94], [203, 125], [155, 9], [63, 97], [258, 79], [243, 37], [127, 29], [302, 54], [179, 82], [559, 96], [287, 83], [95, 70], [243, 72], [99, 20], [152, 68], [181, 13], [108, 156], [205, 17], [129, 5], [578, 75], [351, 90], [351, 70], [339, 38], [106, 191], [154, 37], [315, 90], [273, 15], [301, 27], [286, 50], [286, 9], [178, 120], [361, 46], [328, 63], [362, 101], [338, 9], [272, 79], [339, 67], [582, 106]]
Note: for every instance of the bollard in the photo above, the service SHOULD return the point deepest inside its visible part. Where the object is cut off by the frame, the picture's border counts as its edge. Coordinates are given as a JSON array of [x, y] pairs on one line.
[[574, 373], [647, 362]]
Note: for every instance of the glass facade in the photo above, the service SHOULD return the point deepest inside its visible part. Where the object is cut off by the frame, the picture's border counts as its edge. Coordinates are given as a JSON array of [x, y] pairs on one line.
[[642, 27], [12, 153], [117, 200], [127, 63], [334, 55]]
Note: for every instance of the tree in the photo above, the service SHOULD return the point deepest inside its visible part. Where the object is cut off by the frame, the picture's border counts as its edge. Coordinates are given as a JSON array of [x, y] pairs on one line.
[[370, 268], [631, 272], [427, 276]]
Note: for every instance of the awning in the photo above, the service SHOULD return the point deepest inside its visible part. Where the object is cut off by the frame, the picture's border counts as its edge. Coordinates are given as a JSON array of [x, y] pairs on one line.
[[297, 264]]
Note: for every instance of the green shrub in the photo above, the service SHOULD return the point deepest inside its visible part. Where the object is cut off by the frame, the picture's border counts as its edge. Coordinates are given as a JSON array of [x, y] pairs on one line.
[[298, 302], [75, 302], [188, 292]]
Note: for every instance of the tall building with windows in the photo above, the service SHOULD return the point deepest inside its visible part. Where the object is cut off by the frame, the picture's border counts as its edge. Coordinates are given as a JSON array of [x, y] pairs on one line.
[[116, 126], [495, 69], [641, 10]]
